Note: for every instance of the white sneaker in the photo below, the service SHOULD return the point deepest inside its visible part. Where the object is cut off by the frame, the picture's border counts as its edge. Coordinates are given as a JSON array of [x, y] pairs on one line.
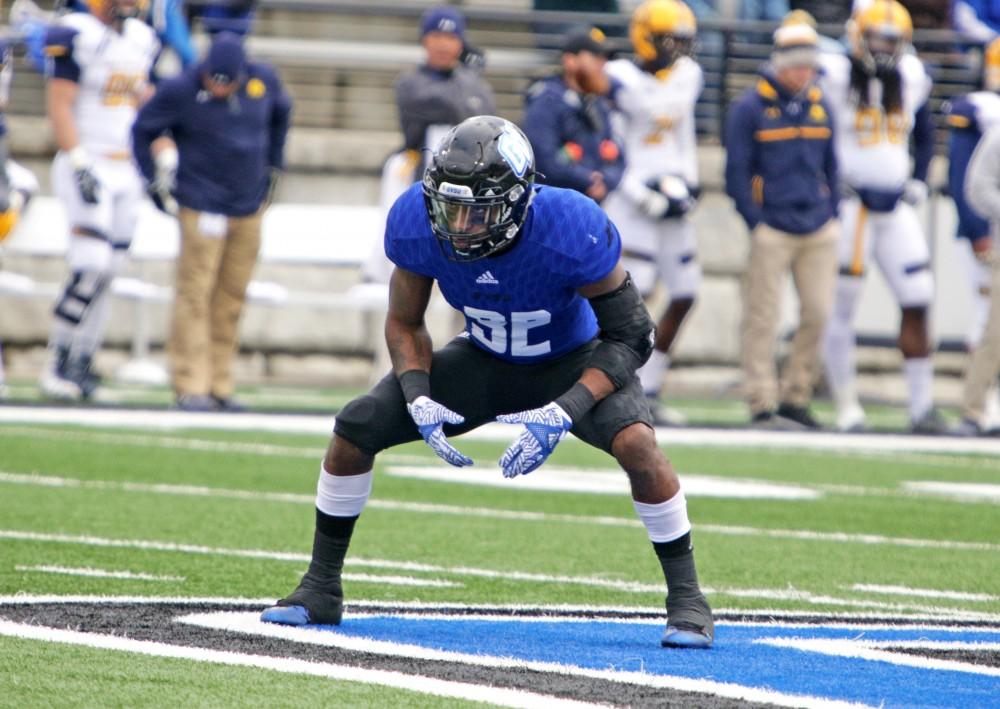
[[53, 386], [851, 419]]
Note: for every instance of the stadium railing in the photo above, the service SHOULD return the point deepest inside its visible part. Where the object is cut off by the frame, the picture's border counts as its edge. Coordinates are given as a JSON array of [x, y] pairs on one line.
[[339, 60]]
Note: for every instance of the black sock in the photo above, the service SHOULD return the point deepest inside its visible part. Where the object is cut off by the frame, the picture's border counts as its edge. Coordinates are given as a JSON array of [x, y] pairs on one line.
[[677, 560], [330, 542]]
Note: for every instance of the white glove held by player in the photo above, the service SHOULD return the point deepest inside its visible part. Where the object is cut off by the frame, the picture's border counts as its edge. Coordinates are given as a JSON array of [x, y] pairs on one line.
[[654, 204], [543, 429], [429, 416], [83, 173], [165, 181]]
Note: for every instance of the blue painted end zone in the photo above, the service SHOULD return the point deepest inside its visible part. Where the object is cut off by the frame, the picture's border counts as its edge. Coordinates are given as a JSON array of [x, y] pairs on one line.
[[736, 658]]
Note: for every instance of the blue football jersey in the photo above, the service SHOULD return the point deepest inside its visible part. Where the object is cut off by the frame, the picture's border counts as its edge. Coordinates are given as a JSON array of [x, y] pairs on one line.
[[521, 305]]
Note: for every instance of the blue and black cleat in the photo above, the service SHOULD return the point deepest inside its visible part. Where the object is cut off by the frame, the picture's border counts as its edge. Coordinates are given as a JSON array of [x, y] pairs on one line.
[[306, 606], [286, 615], [685, 638], [689, 621]]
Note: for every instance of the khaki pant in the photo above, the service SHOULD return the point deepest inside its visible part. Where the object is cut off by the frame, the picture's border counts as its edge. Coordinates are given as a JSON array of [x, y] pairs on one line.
[[985, 365], [812, 259], [212, 277]]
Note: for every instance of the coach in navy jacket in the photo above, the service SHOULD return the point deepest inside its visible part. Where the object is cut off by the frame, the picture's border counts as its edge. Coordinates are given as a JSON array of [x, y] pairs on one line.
[[569, 127], [781, 166], [228, 117], [228, 145], [781, 171]]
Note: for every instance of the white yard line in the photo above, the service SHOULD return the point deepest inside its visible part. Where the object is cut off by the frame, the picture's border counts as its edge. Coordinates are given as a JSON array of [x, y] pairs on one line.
[[397, 680], [466, 571], [150, 545], [97, 573], [824, 600], [869, 650], [787, 618], [873, 539], [602, 482], [169, 442], [965, 492], [316, 453], [490, 513], [401, 581], [384, 580], [922, 592], [323, 424], [249, 623]]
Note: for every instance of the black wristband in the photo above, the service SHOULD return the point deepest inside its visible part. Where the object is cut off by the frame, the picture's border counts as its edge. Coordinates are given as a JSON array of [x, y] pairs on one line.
[[414, 383], [577, 401]]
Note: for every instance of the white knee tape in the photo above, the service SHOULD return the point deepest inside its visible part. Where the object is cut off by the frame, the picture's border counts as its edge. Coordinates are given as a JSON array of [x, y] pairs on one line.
[[342, 495], [665, 521]]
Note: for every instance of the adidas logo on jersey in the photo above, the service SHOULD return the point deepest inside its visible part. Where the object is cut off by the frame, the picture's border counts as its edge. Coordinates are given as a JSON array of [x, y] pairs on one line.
[[487, 278]]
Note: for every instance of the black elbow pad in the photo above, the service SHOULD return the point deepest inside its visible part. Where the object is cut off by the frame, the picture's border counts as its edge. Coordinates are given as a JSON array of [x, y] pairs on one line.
[[627, 333]]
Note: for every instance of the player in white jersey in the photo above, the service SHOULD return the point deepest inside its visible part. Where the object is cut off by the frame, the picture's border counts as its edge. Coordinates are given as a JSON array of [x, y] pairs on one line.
[[656, 96], [98, 72], [879, 96]]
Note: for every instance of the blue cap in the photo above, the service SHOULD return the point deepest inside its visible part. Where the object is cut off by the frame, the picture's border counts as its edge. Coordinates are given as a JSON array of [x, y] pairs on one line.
[[226, 59], [443, 18]]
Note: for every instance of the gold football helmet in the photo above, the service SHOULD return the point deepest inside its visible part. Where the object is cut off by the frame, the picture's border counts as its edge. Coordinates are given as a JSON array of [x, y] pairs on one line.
[[798, 17], [880, 34], [991, 66], [118, 9], [8, 220], [662, 31]]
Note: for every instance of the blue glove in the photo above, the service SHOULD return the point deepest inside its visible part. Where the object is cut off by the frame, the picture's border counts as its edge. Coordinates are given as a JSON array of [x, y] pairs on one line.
[[543, 429], [429, 415]]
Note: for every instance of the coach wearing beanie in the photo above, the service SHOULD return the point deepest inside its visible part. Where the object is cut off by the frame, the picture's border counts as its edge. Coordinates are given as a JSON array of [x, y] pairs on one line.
[[781, 171], [228, 117], [447, 87]]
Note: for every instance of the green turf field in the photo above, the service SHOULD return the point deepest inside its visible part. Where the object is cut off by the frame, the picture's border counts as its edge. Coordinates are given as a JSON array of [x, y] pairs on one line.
[[697, 410], [179, 511]]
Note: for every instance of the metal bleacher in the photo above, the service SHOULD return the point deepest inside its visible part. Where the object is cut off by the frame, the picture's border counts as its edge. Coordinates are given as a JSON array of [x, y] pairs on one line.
[[339, 60]]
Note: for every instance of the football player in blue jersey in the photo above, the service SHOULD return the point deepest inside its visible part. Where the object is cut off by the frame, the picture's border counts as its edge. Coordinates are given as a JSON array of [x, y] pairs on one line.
[[555, 331]]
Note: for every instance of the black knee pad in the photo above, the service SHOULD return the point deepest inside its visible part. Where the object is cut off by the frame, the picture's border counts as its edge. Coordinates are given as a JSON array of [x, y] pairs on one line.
[[80, 292], [362, 423]]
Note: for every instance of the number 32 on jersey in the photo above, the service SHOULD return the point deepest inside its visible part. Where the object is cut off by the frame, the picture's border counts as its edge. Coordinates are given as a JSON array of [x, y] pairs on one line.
[[492, 330]]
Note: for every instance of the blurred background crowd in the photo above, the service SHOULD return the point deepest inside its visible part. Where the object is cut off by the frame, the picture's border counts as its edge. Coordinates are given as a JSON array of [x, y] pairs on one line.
[[654, 109]]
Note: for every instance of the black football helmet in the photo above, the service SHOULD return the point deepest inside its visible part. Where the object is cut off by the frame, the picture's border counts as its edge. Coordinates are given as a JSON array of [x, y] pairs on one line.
[[478, 186]]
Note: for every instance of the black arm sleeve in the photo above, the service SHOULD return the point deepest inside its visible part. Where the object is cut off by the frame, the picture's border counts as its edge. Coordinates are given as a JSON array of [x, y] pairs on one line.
[[627, 333]]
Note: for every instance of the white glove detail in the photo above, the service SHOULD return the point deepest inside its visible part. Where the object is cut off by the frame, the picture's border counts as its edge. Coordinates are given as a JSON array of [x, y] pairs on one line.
[[543, 429], [429, 416]]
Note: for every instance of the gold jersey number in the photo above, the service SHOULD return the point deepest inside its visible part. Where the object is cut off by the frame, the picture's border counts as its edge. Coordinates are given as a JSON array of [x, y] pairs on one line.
[[662, 125], [873, 126], [122, 89]]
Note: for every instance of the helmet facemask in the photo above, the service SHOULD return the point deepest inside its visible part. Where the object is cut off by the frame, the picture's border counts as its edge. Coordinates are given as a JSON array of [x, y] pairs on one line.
[[471, 226], [117, 10], [478, 187], [670, 48], [882, 48]]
